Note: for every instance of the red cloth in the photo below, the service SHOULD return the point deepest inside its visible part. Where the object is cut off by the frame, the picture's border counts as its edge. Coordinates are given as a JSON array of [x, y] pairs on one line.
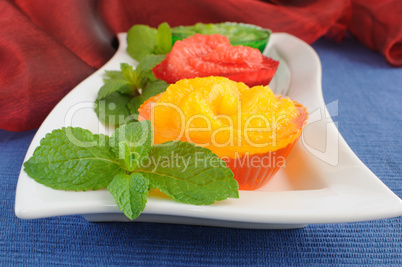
[[378, 24], [48, 47]]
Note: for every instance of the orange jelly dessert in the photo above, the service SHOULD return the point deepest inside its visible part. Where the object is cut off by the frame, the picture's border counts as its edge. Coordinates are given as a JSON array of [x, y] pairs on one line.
[[251, 129]]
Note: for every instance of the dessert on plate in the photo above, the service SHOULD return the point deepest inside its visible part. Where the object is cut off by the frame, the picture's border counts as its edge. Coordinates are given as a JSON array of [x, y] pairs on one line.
[[249, 128], [213, 55]]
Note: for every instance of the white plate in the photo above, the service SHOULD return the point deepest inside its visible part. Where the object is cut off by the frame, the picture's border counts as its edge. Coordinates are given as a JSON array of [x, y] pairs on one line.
[[323, 182]]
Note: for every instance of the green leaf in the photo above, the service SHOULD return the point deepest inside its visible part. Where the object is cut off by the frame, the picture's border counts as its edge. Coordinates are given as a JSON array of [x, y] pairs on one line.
[[111, 86], [113, 75], [135, 104], [151, 89], [163, 39], [130, 193], [118, 100], [114, 110], [154, 88], [131, 144], [141, 41], [144, 68], [149, 62], [129, 73], [73, 159], [189, 174]]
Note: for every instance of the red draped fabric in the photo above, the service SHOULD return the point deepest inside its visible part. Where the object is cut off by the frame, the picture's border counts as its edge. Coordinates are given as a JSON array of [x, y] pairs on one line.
[[47, 47]]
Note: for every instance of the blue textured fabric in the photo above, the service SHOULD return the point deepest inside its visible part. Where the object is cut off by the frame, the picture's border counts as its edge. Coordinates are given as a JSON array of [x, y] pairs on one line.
[[369, 93]]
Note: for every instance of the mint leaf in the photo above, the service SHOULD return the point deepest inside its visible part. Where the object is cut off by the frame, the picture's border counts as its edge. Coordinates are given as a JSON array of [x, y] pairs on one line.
[[149, 62], [113, 75], [114, 96], [144, 68], [151, 89], [141, 41], [135, 104], [164, 39], [154, 88], [129, 73], [114, 110], [111, 86], [119, 99], [131, 144], [189, 174], [130, 193], [73, 159]]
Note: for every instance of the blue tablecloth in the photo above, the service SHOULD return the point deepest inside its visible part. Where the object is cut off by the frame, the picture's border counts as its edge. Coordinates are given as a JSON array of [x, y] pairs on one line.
[[369, 94]]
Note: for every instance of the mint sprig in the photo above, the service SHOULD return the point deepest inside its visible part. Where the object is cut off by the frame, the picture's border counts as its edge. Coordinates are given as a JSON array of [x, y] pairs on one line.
[[124, 91], [143, 40], [128, 165]]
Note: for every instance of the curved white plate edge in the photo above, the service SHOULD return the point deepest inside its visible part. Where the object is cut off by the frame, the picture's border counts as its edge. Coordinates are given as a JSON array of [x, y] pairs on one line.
[[331, 123], [396, 209], [389, 212], [183, 220], [101, 70]]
